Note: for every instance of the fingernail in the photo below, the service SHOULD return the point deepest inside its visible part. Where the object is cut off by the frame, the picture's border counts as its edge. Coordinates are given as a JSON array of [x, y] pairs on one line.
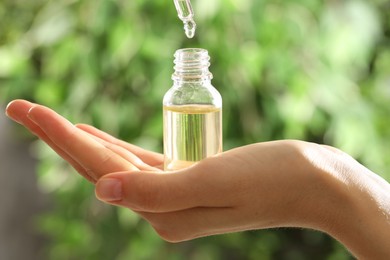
[[109, 190], [12, 116], [31, 115], [6, 109]]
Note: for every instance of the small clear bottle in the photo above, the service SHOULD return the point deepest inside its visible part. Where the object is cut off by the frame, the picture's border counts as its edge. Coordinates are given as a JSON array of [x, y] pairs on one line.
[[192, 112]]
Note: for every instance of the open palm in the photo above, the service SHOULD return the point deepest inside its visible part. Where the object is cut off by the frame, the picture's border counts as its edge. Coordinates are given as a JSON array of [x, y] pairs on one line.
[[91, 152]]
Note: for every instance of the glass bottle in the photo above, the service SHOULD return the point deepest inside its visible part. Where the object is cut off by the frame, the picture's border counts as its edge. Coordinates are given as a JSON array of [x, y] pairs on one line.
[[192, 112]]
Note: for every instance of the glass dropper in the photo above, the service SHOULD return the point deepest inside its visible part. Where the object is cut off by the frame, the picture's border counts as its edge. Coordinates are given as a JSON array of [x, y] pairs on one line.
[[186, 14]]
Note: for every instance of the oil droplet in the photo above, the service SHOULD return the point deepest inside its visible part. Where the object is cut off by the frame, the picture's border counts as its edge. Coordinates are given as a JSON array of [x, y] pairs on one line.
[[189, 28]]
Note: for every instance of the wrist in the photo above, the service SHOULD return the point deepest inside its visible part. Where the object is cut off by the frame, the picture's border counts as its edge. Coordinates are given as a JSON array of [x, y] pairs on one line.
[[351, 205], [361, 222]]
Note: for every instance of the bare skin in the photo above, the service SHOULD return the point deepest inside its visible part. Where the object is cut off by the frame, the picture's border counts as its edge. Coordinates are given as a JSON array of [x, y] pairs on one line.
[[273, 184]]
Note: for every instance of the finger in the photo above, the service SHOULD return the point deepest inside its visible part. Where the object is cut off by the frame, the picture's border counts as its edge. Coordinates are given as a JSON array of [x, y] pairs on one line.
[[150, 158], [169, 191], [18, 110], [96, 159], [127, 155]]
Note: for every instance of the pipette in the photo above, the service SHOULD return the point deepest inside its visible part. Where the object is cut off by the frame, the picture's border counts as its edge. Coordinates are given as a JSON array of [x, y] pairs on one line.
[[186, 14]]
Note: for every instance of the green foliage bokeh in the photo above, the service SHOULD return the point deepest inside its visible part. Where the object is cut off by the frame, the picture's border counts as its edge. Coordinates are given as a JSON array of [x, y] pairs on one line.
[[312, 70]]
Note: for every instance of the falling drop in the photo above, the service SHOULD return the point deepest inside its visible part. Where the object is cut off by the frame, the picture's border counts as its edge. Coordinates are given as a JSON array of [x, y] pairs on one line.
[[189, 28]]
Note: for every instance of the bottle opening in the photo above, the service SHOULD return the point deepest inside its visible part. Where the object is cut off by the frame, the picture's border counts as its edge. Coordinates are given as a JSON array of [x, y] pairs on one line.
[[189, 54], [191, 64]]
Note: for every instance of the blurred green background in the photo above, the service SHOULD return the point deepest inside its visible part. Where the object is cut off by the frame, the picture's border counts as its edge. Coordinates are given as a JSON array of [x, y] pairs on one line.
[[303, 69]]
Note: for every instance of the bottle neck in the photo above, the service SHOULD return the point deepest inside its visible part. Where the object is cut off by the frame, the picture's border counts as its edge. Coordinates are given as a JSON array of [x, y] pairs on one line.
[[192, 65]]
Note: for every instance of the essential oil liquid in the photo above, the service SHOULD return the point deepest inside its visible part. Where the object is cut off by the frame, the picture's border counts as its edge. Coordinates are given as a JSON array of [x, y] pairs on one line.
[[191, 133]]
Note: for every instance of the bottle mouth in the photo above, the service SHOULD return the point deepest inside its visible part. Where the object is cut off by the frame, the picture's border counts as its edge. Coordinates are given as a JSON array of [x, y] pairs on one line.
[[191, 64], [188, 54]]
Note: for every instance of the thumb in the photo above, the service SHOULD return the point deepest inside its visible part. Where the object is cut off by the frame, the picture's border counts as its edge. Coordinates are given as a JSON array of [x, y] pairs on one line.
[[161, 191]]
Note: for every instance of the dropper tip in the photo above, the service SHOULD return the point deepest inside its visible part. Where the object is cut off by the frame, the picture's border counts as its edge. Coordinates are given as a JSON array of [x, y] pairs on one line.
[[189, 34], [189, 29]]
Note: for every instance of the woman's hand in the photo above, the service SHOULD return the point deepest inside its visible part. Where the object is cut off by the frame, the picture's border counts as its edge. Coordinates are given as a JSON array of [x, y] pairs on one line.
[[273, 184]]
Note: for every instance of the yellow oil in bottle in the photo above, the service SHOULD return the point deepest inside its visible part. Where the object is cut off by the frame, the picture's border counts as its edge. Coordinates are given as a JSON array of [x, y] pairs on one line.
[[191, 133]]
